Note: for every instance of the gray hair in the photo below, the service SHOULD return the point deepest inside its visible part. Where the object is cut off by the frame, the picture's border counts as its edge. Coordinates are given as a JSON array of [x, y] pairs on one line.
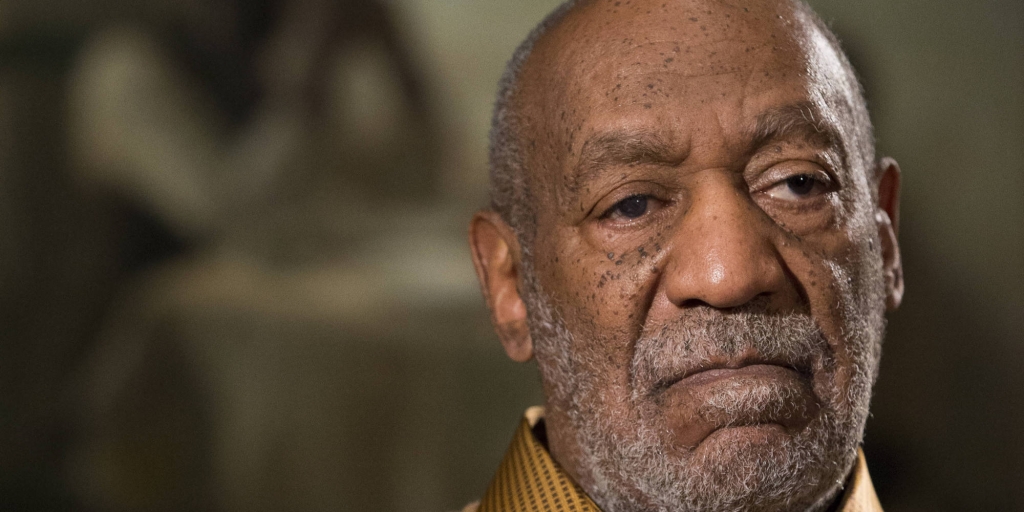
[[510, 194]]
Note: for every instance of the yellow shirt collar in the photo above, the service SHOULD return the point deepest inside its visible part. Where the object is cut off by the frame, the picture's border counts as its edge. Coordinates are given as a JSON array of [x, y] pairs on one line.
[[528, 480]]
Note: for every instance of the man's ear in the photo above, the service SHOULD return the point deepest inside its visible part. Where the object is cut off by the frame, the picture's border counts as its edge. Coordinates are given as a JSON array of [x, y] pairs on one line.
[[887, 217], [496, 256]]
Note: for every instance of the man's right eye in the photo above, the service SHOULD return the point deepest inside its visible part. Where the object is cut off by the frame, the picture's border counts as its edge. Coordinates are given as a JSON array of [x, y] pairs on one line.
[[631, 207]]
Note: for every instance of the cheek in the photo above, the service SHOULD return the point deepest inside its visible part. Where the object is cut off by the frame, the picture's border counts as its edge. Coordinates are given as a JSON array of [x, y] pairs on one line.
[[814, 266], [836, 273], [827, 264], [604, 296], [625, 279]]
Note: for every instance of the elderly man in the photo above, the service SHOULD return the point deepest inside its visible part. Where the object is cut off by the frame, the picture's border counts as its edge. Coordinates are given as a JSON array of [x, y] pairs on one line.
[[691, 233]]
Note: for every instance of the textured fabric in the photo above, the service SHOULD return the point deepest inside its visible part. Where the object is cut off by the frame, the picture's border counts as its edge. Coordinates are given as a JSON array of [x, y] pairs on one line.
[[860, 492], [529, 480]]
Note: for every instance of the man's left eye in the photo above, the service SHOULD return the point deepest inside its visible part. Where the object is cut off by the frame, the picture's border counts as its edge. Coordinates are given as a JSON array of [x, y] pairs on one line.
[[797, 187]]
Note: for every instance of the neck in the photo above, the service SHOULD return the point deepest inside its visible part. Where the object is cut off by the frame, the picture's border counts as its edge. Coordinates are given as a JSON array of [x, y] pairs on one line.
[[564, 447]]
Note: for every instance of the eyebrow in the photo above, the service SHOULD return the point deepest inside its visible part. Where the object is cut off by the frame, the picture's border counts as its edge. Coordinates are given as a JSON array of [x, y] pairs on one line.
[[623, 147], [640, 146], [803, 118]]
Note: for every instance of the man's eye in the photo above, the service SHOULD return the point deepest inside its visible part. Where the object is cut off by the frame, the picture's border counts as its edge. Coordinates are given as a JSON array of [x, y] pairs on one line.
[[797, 187], [801, 185], [631, 207]]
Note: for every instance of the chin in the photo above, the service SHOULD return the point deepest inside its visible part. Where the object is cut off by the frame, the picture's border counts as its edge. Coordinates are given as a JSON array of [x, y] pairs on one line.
[[745, 437], [768, 467], [761, 466]]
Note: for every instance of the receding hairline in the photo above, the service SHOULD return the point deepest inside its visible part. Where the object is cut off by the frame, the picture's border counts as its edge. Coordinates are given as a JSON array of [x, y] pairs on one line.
[[509, 191]]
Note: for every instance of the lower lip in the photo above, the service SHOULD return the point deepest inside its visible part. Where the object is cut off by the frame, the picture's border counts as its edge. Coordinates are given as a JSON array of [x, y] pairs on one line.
[[760, 371], [682, 402]]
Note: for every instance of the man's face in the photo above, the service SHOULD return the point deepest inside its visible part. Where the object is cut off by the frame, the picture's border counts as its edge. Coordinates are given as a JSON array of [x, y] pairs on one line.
[[705, 286]]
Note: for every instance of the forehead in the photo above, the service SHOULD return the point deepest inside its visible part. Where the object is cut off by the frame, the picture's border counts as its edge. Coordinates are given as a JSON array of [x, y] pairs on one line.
[[669, 65], [712, 35]]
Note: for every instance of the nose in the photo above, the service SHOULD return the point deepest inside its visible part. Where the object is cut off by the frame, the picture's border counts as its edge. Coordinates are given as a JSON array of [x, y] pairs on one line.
[[723, 254]]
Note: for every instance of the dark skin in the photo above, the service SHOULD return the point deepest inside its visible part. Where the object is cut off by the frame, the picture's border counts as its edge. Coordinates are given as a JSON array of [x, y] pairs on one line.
[[690, 155]]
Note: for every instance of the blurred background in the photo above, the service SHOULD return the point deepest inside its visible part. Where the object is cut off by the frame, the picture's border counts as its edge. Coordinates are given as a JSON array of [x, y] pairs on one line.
[[233, 270]]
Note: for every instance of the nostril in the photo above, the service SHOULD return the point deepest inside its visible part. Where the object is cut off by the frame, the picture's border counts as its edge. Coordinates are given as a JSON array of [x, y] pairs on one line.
[[693, 304], [758, 303]]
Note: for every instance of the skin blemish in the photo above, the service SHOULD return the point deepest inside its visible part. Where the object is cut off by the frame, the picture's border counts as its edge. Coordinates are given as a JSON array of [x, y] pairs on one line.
[[611, 256]]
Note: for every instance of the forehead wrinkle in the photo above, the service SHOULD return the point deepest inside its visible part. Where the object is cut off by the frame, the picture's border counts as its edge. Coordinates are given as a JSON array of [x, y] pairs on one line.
[[688, 57], [680, 41]]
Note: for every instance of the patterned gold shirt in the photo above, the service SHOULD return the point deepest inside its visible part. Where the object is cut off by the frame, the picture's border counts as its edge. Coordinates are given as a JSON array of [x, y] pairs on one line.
[[529, 480]]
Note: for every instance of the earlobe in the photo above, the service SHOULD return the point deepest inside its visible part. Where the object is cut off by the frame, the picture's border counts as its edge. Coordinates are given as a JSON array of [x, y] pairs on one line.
[[496, 258], [887, 218]]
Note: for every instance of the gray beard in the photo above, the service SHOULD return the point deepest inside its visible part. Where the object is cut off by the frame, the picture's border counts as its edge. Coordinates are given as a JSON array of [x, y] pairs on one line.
[[633, 468]]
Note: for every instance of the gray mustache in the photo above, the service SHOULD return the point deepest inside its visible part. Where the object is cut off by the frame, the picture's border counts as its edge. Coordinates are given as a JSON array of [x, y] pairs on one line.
[[707, 338]]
